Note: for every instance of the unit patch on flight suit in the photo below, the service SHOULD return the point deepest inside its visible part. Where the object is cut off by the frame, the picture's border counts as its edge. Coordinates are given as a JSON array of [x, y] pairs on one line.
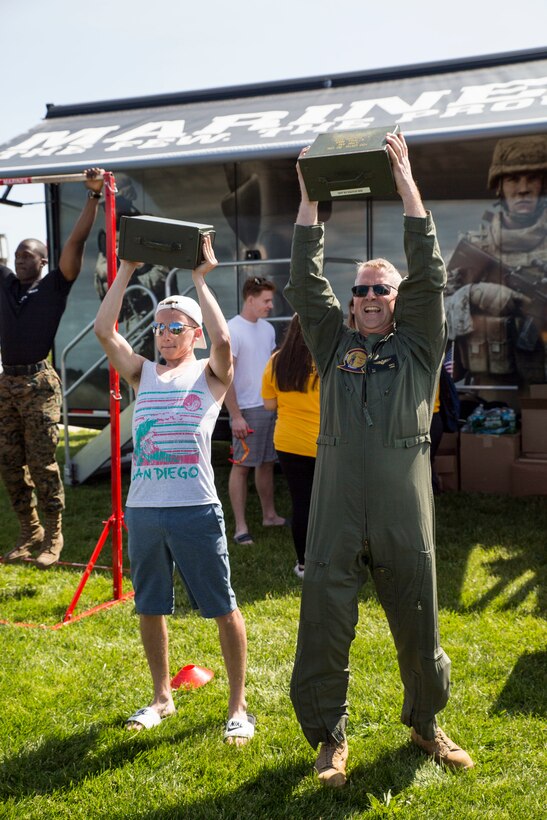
[[355, 360]]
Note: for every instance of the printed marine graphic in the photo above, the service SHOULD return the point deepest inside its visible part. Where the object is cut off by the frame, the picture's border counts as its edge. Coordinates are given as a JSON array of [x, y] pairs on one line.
[[169, 436]]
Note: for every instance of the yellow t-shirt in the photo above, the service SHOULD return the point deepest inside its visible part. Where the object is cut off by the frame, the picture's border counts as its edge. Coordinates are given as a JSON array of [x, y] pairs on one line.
[[437, 405], [297, 423]]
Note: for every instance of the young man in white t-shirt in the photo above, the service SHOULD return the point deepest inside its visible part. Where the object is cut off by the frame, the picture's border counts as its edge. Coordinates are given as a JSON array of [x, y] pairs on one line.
[[253, 340]]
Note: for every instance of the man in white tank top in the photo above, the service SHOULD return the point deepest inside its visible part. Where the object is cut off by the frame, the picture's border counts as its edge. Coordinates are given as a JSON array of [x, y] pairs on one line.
[[173, 513]]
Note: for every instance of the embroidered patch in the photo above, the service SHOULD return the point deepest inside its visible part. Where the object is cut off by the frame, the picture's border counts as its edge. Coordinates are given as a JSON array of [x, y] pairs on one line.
[[355, 360]]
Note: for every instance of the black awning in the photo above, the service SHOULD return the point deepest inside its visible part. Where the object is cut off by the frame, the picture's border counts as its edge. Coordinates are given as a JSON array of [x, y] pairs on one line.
[[481, 101]]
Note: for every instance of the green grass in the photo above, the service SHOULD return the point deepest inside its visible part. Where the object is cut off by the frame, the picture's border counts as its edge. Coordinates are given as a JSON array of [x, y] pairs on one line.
[[65, 693]]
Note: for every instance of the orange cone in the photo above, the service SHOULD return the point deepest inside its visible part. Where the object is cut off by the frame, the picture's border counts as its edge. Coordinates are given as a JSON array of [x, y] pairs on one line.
[[191, 677]]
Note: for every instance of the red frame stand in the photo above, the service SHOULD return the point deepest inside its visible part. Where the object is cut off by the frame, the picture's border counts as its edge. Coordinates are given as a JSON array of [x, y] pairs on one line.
[[115, 523]]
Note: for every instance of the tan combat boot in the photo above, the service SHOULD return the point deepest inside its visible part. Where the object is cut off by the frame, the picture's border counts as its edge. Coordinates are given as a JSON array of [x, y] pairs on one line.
[[331, 764], [53, 541], [30, 537], [443, 750]]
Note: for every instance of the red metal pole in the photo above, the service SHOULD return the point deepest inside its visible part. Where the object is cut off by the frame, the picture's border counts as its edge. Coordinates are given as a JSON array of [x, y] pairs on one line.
[[115, 398]]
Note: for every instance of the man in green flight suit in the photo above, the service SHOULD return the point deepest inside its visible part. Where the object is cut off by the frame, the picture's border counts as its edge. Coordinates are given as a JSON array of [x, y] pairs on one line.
[[372, 504]]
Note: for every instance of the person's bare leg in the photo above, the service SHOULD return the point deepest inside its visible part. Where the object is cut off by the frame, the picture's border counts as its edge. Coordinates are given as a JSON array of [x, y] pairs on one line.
[[264, 481], [155, 641], [237, 488], [233, 643]]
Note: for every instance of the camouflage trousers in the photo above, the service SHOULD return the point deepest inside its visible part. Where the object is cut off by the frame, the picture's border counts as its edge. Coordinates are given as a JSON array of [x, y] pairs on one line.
[[30, 411]]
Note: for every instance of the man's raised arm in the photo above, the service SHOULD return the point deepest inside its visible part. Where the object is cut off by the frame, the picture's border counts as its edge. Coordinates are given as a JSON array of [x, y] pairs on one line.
[[70, 262]]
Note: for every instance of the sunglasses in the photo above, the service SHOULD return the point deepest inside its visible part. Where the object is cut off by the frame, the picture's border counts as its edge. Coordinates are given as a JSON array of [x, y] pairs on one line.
[[378, 290], [175, 328]]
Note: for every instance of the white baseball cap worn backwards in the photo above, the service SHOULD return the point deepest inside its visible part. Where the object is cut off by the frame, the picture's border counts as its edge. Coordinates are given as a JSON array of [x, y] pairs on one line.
[[189, 307]]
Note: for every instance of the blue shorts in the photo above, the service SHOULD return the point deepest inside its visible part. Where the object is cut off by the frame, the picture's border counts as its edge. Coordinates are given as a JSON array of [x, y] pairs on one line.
[[191, 538], [260, 442]]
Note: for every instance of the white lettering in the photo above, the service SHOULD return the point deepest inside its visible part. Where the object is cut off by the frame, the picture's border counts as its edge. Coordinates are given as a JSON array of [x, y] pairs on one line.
[[123, 144], [252, 121], [204, 139], [313, 120], [398, 108], [46, 143], [168, 130], [511, 105], [315, 115], [496, 92], [454, 110], [309, 129], [348, 124]]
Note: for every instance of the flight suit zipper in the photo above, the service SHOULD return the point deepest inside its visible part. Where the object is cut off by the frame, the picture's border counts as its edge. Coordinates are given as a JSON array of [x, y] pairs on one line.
[[366, 413]]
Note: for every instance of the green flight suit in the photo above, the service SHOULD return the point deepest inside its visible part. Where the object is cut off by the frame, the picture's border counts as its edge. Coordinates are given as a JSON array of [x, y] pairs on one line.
[[372, 503]]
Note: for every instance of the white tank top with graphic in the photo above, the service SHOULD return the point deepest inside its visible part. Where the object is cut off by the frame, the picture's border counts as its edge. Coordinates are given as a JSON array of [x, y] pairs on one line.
[[173, 422]]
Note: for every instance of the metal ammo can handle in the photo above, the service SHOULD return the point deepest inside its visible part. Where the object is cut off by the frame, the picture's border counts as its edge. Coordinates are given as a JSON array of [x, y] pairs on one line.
[[361, 177], [158, 246]]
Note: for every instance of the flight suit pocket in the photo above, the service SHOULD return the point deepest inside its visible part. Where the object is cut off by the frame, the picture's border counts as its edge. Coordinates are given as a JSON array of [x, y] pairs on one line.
[[314, 598]]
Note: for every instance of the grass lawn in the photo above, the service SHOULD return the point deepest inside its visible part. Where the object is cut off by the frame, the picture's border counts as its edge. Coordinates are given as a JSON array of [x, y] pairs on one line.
[[65, 693]]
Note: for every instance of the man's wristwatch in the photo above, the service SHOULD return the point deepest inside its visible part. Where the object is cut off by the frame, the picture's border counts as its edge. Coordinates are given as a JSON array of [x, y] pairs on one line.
[[94, 194]]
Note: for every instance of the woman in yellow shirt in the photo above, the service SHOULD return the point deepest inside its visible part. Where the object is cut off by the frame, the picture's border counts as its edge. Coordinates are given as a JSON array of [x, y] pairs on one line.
[[290, 385]]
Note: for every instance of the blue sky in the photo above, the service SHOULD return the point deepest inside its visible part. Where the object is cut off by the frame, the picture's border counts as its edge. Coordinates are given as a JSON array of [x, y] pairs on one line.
[[66, 51]]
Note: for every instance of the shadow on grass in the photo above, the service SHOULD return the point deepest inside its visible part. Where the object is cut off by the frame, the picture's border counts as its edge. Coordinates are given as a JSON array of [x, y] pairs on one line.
[[18, 593], [524, 691], [506, 572], [32, 597], [61, 763], [515, 525], [277, 792]]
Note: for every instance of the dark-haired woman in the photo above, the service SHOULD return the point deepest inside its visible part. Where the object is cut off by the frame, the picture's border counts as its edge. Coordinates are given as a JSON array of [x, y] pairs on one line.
[[290, 385]]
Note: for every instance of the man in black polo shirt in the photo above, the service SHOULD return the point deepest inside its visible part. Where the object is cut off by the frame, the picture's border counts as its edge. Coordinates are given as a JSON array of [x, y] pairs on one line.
[[31, 307]]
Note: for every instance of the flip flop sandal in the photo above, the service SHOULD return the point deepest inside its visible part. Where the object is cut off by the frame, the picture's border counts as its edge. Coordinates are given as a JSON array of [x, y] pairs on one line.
[[244, 538], [240, 728], [147, 718]]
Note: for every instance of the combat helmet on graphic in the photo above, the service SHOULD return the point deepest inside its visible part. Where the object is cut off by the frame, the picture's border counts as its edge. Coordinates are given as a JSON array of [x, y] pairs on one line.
[[518, 155]]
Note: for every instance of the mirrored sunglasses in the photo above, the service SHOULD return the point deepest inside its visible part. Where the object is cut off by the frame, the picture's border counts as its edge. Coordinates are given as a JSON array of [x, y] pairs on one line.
[[175, 328], [378, 289]]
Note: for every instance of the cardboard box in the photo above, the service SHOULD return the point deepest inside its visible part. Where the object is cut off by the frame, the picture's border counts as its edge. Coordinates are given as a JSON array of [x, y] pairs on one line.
[[446, 467], [485, 462], [348, 165], [167, 242], [529, 477], [538, 391], [449, 443], [534, 427]]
